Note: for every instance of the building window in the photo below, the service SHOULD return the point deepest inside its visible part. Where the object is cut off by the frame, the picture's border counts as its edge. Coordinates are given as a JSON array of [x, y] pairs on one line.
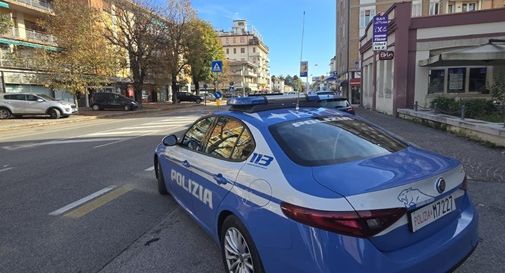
[[366, 16], [468, 7], [477, 80], [434, 7], [234, 51], [242, 50], [234, 40], [417, 8], [456, 80], [436, 79], [227, 51], [254, 49], [226, 41], [242, 40], [450, 8]]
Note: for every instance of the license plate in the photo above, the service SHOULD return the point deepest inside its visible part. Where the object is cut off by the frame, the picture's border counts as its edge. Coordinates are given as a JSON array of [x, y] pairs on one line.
[[431, 212]]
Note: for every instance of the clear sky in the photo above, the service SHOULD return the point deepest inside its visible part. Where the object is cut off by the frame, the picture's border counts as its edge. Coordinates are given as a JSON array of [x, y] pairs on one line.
[[280, 24]]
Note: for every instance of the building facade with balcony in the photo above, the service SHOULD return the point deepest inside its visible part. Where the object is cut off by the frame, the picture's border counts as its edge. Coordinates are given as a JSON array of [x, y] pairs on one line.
[[247, 56], [18, 70]]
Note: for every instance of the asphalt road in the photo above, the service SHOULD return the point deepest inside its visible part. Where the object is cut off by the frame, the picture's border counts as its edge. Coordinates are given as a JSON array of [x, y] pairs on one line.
[[44, 171], [130, 228]]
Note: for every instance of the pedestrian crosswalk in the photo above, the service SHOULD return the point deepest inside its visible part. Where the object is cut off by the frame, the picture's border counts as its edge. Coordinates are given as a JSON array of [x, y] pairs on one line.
[[148, 128]]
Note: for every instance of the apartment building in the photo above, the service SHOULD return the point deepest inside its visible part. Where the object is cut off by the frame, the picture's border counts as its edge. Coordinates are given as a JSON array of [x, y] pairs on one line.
[[247, 54], [18, 71], [353, 17]]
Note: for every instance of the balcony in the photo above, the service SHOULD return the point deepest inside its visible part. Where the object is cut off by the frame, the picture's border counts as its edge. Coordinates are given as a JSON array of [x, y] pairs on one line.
[[42, 5], [30, 35], [7, 61]]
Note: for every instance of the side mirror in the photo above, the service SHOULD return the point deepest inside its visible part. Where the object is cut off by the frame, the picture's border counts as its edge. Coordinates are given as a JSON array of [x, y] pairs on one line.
[[170, 140]]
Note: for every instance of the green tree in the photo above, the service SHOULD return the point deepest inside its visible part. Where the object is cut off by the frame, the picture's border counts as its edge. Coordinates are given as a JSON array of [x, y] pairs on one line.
[[84, 58], [298, 84], [203, 47], [288, 80]]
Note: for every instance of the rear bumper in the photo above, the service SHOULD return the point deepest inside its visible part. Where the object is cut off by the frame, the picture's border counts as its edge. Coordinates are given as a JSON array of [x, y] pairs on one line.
[[313, 250]]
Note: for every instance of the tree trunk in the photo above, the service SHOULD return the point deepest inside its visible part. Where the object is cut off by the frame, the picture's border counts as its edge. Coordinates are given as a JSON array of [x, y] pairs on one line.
[[197, 85], [175, 89], [138, 86]]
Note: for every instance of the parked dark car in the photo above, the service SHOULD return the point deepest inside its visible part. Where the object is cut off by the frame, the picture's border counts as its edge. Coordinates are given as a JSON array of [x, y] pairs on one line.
[[339, 103], [101, 101], [185, 96]]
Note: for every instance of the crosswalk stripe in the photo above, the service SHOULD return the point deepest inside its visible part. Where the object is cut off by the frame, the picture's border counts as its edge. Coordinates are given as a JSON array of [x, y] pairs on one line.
[[123, 132]]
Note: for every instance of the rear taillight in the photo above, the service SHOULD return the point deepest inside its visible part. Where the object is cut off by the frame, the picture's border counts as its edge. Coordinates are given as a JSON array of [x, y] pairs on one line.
[[354, 223], [464, 185]]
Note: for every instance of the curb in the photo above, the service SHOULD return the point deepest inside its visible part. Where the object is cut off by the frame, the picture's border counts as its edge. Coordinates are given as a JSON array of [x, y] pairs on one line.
[[80, 118]]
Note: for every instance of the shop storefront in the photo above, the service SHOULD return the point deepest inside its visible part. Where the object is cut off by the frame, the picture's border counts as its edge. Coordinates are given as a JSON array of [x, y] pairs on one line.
[[454, 55]]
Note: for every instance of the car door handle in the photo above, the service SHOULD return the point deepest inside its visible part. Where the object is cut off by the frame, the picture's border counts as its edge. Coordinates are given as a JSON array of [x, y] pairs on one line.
[[220, 179], [186, 164]]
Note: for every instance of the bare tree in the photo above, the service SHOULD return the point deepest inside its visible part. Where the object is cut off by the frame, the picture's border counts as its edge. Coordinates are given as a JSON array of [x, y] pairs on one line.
[[179, 14], [136, 28]]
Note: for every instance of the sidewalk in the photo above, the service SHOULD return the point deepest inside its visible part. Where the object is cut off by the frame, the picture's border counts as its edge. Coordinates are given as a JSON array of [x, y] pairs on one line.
[[86, 114]]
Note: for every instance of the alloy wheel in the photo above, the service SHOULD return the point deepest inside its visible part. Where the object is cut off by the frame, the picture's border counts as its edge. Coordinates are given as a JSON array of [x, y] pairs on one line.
[[237, 253], [4, 114]]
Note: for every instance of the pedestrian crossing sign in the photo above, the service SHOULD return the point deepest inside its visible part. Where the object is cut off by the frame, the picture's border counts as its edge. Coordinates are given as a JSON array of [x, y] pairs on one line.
[[217, 66]]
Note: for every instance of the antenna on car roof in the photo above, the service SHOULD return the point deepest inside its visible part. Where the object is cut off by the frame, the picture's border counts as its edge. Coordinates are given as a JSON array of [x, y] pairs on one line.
[[301, 57]]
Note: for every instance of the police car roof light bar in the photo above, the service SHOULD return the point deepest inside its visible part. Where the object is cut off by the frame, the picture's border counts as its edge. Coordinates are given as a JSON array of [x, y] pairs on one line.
[[274, 101]]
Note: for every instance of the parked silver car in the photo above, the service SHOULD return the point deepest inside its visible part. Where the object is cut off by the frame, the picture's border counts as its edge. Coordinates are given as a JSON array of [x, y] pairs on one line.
[[19, 104]]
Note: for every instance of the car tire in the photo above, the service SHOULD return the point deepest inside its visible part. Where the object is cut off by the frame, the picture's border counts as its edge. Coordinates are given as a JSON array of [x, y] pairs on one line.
[[234, 237], [198, 101], [162, 188], [5, 113], [95, 107], [127, 108], [54, 113]]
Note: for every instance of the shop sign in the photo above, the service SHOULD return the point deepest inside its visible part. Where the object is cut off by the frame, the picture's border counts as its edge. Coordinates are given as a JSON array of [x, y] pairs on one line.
[[386, 55], [380, 33]]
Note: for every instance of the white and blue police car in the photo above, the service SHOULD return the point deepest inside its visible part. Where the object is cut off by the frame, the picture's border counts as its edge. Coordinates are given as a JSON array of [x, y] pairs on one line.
[[285, 185]]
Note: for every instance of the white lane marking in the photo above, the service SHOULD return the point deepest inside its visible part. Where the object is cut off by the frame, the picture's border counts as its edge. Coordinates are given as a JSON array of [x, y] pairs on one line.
[[119, 141], [145, 127], [122, 132], [54, 142], [150, 169], [81, 201], [9, 168], [168, 123]]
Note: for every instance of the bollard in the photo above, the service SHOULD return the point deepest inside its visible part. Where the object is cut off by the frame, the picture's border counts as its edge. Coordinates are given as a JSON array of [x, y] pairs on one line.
[[416, 105], [435, 107], [462, 111]]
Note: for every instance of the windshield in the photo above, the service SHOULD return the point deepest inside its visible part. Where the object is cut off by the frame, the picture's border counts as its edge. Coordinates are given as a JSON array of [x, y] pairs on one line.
[[332, 139], [46, 97]]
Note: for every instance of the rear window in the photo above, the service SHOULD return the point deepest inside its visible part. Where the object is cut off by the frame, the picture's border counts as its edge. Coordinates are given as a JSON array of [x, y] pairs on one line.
[[333, 139]]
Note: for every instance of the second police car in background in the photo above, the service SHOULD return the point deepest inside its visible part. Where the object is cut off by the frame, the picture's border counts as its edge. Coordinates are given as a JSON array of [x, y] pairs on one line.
[[311, 189]]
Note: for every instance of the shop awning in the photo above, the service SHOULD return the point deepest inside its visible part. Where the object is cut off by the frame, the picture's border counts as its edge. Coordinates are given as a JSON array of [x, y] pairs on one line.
[[27, 44], [356, 81], [492, 53], [4, 5]]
